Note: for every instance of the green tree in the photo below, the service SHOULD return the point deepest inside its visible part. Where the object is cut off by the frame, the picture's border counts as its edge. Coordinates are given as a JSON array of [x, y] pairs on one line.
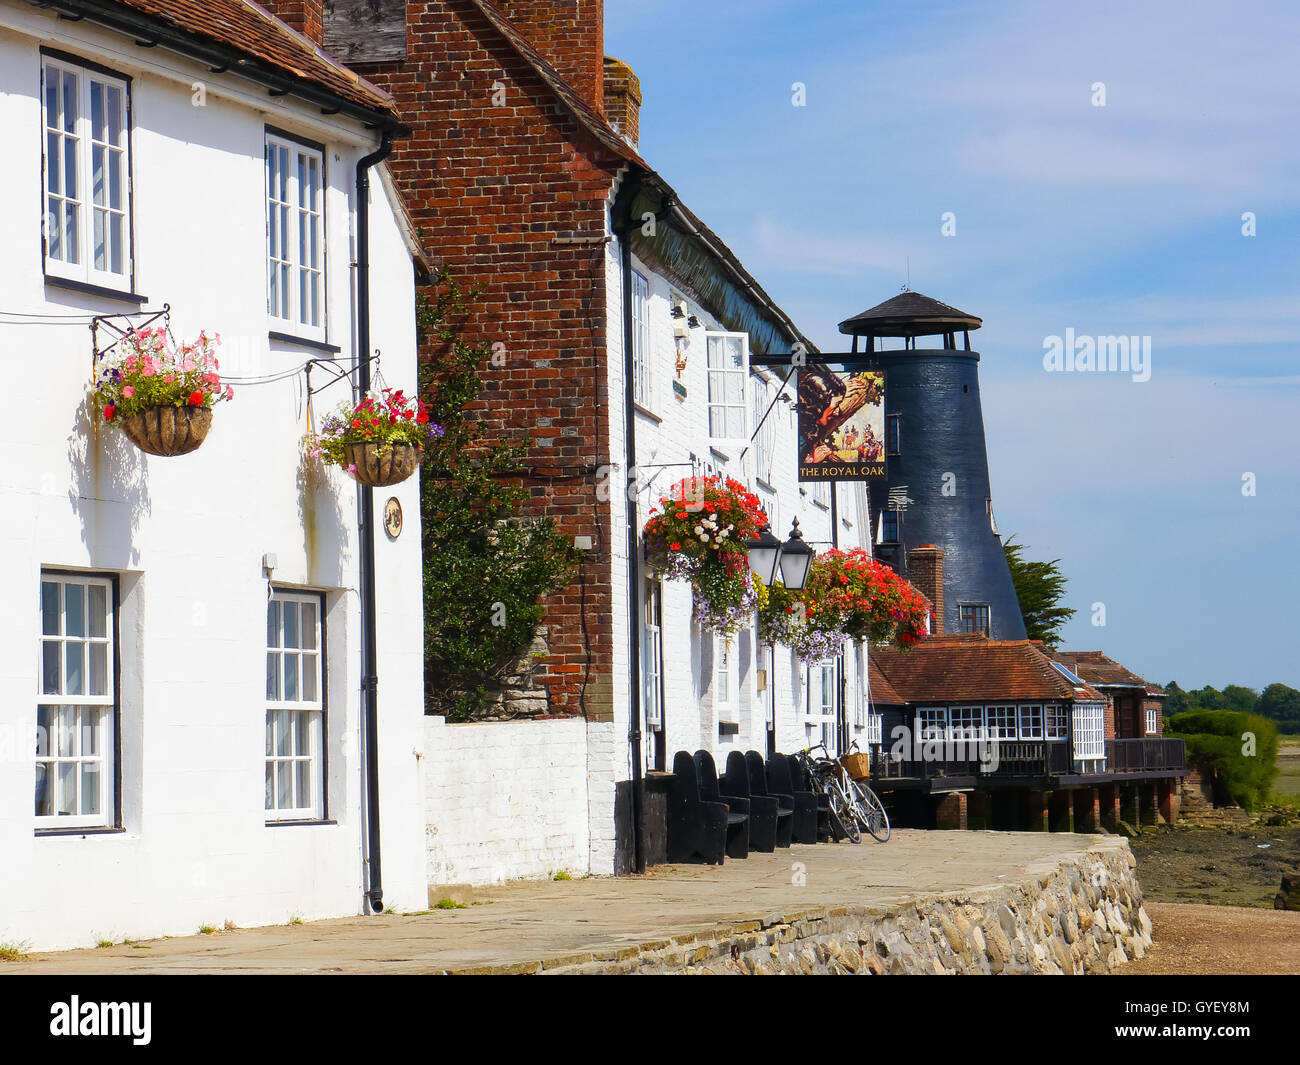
[[1040, 586], [1236, 751], [1235, 697], [485, 569], [1175, 700], [1280, 703]]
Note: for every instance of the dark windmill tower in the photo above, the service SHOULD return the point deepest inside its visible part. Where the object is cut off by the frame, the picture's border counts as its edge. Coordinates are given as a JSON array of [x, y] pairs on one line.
[[938, 473]]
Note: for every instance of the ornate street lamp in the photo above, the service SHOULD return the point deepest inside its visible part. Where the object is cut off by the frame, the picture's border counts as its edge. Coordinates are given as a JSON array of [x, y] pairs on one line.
[[796, 559], [764, 550]]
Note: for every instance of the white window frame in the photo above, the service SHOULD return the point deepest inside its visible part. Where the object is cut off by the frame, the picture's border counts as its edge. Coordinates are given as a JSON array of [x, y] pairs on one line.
[[1032, 723], [77, 719], [284, 258], [765, 438], [966, 722], [1002, 721], [717, 379], [85, 143], [1089, 732], [726, 678], [1152, 716], [643, 369], [820, 494], [652, 655], [299, 720], [931, 723]]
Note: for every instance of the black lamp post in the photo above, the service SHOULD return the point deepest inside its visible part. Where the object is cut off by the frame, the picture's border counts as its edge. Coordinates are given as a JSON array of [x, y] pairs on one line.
[[796, 559]]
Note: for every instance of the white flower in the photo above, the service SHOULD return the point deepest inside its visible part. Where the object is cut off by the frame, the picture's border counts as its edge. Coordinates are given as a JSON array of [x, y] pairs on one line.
[[699, 529]]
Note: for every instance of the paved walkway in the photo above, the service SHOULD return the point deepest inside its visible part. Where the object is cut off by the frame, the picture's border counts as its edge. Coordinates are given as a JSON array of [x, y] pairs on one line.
[[530, 921]]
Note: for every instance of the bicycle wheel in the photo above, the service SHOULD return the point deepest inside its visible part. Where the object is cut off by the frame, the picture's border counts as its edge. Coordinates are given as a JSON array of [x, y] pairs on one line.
[[877, 820], [842, 807]]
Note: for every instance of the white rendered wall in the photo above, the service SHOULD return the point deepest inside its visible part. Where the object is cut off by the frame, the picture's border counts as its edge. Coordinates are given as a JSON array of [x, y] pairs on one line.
[[505, 800], [187, 535]]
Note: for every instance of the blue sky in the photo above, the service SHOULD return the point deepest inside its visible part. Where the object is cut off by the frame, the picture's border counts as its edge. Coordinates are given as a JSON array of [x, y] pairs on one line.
[[1124, 219]]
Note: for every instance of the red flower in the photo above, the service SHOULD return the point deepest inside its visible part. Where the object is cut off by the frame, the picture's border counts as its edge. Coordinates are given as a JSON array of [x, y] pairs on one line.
[[108, 412], [196, 399], [356, 423], [408, 414], [674, 546], [422, 418]]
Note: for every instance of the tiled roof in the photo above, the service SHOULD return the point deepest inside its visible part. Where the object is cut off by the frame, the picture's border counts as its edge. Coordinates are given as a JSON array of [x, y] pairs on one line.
[[254, 31], [882, 692], [1097, 668], [956, 669]]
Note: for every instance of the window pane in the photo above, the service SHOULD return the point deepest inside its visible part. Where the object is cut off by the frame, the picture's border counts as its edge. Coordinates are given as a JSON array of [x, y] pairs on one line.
[[90, 787], [97, 124], [74, 655], [270, 785], [70, 110], [309, 666], [98, 608], [302, 734], [67, 732], [67, 788], [270, 716], [291, 678], [291, 625], [74, 610], [51, 97], [115, 115], [272, 624], [52, 168], [309, 626], [304, 784], [283, 734], [88, 721], [283, 785], [115, 244], [99, 669], [273, 676], [50, 668], [101, 252], [44, 728], [44, 800]]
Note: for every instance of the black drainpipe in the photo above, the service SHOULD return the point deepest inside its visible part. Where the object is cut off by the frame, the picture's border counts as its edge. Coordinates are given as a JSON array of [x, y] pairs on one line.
[[366, 531], [623, 230]]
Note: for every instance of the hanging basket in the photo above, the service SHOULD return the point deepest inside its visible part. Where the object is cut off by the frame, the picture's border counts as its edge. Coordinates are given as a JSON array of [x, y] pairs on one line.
[[168, 431], [380, 466]]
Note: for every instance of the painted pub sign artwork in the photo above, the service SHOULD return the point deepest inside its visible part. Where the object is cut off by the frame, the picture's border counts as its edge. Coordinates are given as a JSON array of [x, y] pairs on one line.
[[841, 425]]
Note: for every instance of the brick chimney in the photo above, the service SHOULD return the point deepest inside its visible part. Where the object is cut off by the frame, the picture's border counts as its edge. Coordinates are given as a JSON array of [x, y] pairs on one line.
[[926, 566], [305, 16], [570, 34], [623, 99]]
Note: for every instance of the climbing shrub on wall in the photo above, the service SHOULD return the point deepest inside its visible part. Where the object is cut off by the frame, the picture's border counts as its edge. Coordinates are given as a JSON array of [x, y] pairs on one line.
[[485, 569]]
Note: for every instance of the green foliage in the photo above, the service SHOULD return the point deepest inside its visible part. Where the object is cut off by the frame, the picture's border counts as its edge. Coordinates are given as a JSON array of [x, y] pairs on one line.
[[485, 570], [449, 904], [1040, 586], [562, 875], [1175, 700], [1280, 703], [1217, 742]]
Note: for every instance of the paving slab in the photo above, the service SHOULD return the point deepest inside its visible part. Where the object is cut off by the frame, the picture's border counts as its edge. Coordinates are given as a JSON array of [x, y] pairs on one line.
[[519, 925]]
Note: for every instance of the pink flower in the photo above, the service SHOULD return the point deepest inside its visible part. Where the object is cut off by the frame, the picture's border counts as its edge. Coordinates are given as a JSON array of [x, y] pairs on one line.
[[211, 378], [230, 392], [352, 468], [188, 364], [170, 378], [128, 391], [147, 369], [130, 362]]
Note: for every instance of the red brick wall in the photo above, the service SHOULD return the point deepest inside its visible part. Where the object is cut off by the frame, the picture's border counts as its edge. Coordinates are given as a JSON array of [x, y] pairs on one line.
[[490, 188], [570, 34], [303, 15]]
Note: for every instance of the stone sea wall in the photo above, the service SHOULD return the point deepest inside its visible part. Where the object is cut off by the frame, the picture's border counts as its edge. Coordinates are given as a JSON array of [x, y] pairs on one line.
[[1083, 914]]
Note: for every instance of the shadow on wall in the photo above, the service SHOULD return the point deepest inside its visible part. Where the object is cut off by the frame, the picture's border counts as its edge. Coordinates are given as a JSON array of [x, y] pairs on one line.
[[109, 490], [321, 517]]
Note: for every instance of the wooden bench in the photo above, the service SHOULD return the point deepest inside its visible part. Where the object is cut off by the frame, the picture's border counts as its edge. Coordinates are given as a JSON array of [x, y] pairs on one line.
[[764, 810], [737, 808], [697, 830]]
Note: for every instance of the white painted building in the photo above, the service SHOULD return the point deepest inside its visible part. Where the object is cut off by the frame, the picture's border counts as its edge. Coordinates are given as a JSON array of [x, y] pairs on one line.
[[173, 784]]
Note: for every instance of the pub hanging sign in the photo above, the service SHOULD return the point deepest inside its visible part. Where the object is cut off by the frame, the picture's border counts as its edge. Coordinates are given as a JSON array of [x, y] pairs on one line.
[[841, 424]]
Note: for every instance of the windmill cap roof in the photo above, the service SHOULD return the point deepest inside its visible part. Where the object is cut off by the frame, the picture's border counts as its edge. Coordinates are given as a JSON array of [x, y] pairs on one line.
[[909, 314]]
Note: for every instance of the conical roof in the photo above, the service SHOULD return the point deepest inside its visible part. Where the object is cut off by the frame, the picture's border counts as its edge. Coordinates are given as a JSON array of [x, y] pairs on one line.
[[909, 314]]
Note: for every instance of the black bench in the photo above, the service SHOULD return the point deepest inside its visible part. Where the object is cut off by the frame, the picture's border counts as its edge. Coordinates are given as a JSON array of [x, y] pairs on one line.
[[706, 774], [697, 829], [758, 788], [812, 812], [764, 810]]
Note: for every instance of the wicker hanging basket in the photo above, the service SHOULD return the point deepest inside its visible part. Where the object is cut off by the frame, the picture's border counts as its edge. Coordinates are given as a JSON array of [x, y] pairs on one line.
[[168, 430], [379, 466]]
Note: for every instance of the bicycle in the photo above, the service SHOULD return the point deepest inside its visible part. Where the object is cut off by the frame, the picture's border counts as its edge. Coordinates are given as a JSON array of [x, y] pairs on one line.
[[867, 807], [824, 776]]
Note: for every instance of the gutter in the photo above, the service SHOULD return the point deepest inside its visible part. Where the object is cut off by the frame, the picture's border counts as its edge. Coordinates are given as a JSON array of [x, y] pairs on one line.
[[150, 32], [366, 545]]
